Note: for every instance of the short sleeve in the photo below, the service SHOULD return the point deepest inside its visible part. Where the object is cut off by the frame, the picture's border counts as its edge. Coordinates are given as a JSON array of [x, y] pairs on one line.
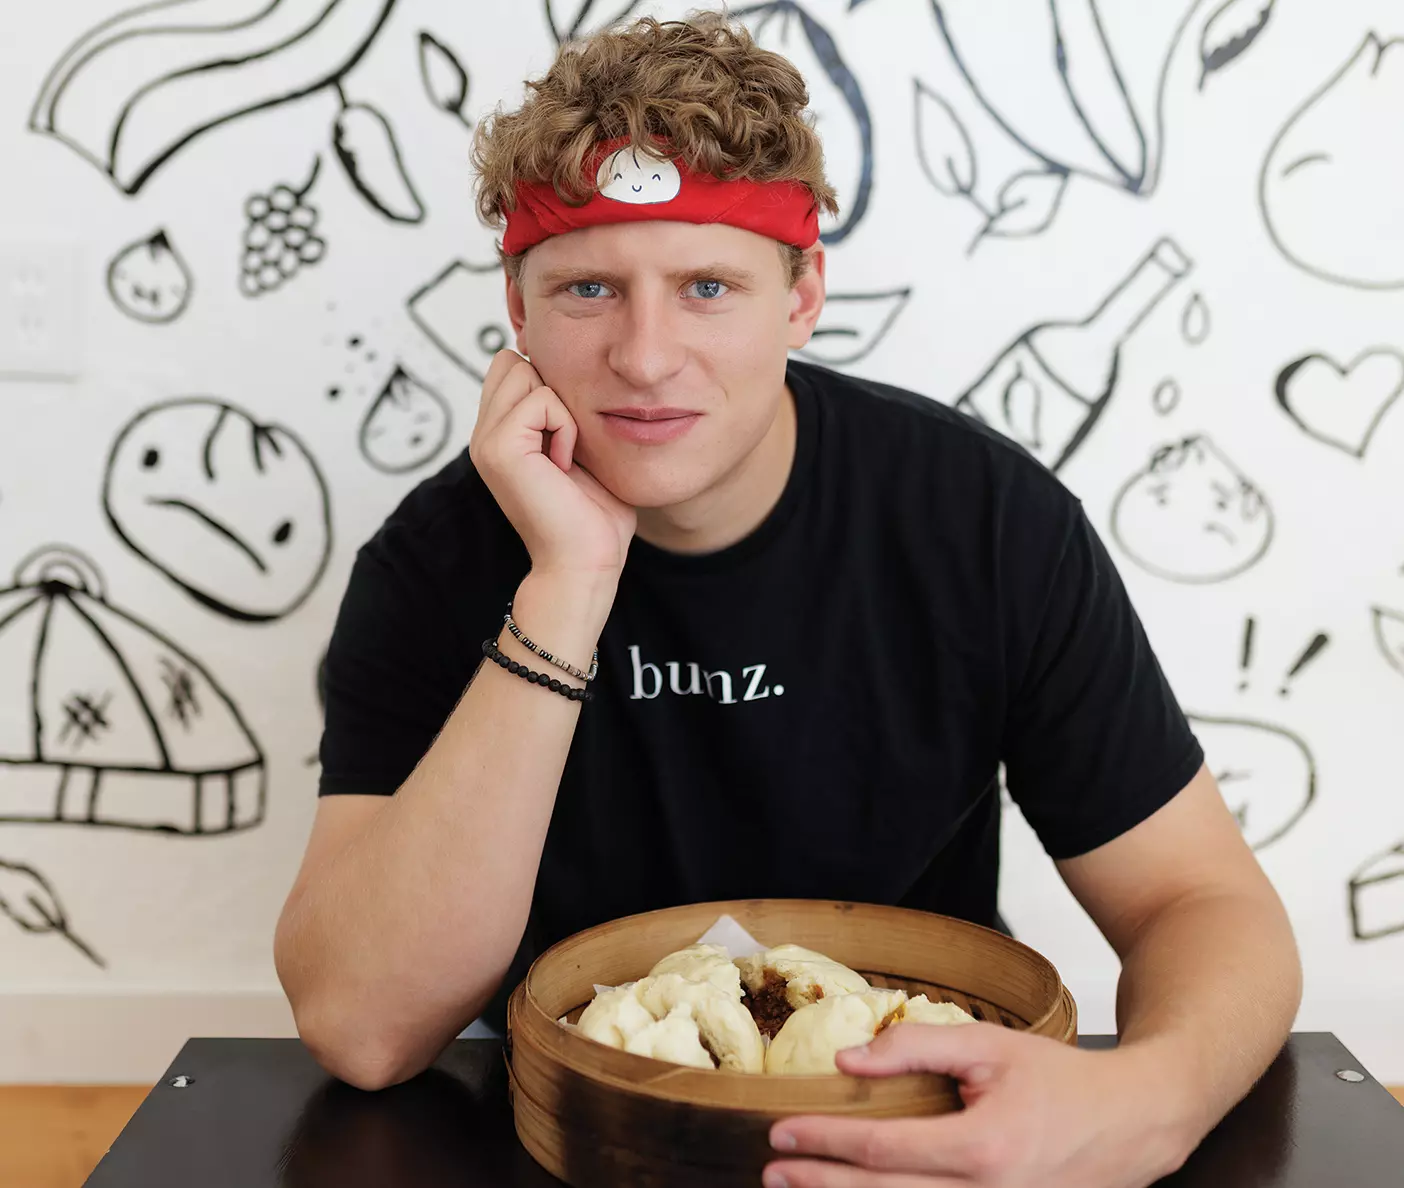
[[1095, 741], [392, 675]]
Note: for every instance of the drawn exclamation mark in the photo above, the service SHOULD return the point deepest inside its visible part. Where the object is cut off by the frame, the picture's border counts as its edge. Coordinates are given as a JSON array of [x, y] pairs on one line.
[[1246, 660], [1313, 649]]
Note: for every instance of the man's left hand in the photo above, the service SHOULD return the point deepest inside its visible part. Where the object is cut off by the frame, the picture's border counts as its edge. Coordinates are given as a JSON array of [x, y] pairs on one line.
[[1038, 1114]]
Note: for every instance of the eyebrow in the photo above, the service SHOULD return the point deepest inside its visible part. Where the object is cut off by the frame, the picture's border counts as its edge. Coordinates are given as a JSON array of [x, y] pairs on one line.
[[727, 273]]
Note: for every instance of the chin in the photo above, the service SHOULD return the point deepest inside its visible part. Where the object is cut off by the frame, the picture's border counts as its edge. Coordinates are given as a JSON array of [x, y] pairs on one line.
[[650, 486]]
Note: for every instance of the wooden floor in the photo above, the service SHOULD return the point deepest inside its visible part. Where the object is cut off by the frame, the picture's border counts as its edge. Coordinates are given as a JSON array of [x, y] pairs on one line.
[[52, 1136]]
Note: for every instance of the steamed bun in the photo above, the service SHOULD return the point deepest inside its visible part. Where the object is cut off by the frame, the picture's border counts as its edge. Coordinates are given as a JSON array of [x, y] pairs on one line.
[[670, 1017], [812, 1035], [703, 963], [783, 979]]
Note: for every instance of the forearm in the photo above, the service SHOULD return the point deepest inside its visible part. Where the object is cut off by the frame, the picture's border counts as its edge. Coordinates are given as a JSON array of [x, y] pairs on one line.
[[1206, 999], [409, 929]]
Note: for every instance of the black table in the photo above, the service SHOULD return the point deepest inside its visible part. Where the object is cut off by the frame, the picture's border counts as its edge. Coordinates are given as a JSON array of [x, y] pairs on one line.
[[261, 1114]]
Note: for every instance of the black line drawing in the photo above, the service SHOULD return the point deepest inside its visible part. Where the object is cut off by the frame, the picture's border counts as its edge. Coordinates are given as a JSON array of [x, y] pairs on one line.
[[444, 76], [1166, 397], [1377, 896], [1070, 88], [368, 150], [1267, 774], [841, 113], [1329, 188], [569, 19], [132, 91], [234, 512], [122, 728], [852, 325], [1049, 387], [148, 280], [29, 899], [1314, 648], [1026, 204], [1341, 406], [1195, 322], [450, 307], [1389, 636], [1191, 516], [1234, 26], [280, 238], [407, 425]]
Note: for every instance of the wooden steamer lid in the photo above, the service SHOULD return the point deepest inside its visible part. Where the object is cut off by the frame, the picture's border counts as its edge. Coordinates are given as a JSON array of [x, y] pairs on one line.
[[597, 1117]]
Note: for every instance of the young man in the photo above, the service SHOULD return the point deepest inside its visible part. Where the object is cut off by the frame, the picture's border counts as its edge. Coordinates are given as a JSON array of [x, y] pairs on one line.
[[825, 611]]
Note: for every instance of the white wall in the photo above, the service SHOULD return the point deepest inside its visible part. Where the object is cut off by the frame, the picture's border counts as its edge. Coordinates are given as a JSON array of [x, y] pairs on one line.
[[182, 924]]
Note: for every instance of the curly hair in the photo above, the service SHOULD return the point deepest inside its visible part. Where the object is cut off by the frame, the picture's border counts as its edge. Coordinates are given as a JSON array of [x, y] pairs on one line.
[[702, 85]]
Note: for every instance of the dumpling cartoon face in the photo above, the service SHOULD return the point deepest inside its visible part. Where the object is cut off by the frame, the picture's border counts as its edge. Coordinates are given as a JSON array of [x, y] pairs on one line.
[[235, 512], [636, 176], [1265, 773], [149, 281], [1191, 516], [1329, 185]]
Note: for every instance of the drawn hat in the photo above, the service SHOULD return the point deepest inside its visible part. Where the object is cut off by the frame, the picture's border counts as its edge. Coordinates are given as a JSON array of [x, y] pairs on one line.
[[119, 726]]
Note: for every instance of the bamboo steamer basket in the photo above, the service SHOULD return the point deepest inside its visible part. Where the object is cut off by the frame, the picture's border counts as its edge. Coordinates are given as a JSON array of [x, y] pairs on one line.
[[597, 1117]]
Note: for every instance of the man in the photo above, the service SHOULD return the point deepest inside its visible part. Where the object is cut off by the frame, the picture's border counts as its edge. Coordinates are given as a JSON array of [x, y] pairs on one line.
[[825, 611]]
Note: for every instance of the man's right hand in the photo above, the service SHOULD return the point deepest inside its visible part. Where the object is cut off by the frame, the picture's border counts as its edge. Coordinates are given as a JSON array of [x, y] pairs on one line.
[[523, 446]]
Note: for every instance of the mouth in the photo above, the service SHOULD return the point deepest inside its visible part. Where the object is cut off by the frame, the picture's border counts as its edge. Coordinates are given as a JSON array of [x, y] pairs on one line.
[[214, 525], [649, 426], [1221, 531]]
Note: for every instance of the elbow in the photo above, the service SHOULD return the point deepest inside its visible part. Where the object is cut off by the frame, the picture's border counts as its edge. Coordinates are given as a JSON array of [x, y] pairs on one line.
[[365, 1058]]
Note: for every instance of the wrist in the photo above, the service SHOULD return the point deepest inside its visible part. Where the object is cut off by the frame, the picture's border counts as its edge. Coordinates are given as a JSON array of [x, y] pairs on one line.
[[563, 613]]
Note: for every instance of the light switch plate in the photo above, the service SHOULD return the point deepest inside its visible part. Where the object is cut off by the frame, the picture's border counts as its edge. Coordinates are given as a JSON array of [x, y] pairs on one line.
[[40, 309]]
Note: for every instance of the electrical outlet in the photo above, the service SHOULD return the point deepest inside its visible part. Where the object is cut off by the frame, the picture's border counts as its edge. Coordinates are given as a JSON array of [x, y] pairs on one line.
[[40, 314]]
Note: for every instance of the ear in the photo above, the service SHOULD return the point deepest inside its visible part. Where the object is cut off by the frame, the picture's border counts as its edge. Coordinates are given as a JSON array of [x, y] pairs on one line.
[[516, 311], [807, 299]]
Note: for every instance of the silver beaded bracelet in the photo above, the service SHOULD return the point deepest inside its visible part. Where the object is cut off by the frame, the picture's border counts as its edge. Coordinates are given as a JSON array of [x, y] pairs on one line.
[[545, 655]]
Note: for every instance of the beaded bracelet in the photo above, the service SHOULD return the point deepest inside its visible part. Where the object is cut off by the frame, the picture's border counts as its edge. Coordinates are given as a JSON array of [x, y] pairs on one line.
[[535, 678], [545, 655]]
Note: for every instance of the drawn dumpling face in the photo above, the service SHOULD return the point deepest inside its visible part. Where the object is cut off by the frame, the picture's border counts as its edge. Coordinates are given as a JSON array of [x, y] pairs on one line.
[[636, 176], [1330, 188], [1192, 516], [234, 511], [1266, 774]]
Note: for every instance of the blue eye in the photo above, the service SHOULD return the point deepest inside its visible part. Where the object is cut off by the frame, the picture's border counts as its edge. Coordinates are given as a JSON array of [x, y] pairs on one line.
[[709, 290], [592, 289]]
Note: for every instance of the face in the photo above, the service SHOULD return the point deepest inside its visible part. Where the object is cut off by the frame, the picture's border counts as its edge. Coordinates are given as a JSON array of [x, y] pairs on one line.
[[234, 511], [667, 342], [148, 281], [1191, 516]]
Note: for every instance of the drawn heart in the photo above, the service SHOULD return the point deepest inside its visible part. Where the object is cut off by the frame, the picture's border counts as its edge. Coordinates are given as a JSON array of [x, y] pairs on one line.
[[1342, 406]]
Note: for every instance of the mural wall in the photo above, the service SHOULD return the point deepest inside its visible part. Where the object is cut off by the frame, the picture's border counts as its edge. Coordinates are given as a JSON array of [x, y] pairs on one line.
[[1157, 242]]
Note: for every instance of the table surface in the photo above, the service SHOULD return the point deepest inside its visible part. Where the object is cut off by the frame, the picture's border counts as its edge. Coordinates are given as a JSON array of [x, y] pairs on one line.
[[260, 1113]]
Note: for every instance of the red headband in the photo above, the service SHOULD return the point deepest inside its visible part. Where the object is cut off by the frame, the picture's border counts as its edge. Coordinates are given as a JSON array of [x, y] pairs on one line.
[[635, 184]]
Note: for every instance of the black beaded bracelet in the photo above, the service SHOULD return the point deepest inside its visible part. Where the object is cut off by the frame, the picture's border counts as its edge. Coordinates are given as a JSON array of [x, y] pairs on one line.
[[546, 681]]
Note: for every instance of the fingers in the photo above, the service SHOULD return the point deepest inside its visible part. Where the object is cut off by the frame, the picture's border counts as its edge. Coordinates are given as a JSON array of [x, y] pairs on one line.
[[972, 1052], [944, 1144], [815, 1174], [508, 380]]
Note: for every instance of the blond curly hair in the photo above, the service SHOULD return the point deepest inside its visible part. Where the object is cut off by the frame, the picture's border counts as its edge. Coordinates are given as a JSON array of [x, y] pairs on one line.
[[724, 105]]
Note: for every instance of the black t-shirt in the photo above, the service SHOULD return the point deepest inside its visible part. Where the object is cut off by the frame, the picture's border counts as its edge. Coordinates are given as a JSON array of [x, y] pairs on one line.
[[819, 710]]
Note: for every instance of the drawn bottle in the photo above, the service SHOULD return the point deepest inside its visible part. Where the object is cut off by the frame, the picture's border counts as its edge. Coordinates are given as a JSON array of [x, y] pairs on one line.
[[1048, 388]]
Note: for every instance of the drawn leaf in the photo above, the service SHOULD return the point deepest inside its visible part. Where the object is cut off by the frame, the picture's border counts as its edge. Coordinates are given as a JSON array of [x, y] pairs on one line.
[[1023, 411], [366, 145], [852, 324], [571, 18], [28, 900], [944, 148], [1389, 634], [1028, 203], [444, 76], [1235, 26]]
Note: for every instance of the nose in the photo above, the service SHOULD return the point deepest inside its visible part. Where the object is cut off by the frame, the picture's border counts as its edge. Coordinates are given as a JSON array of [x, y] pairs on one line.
[[647, 347]]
